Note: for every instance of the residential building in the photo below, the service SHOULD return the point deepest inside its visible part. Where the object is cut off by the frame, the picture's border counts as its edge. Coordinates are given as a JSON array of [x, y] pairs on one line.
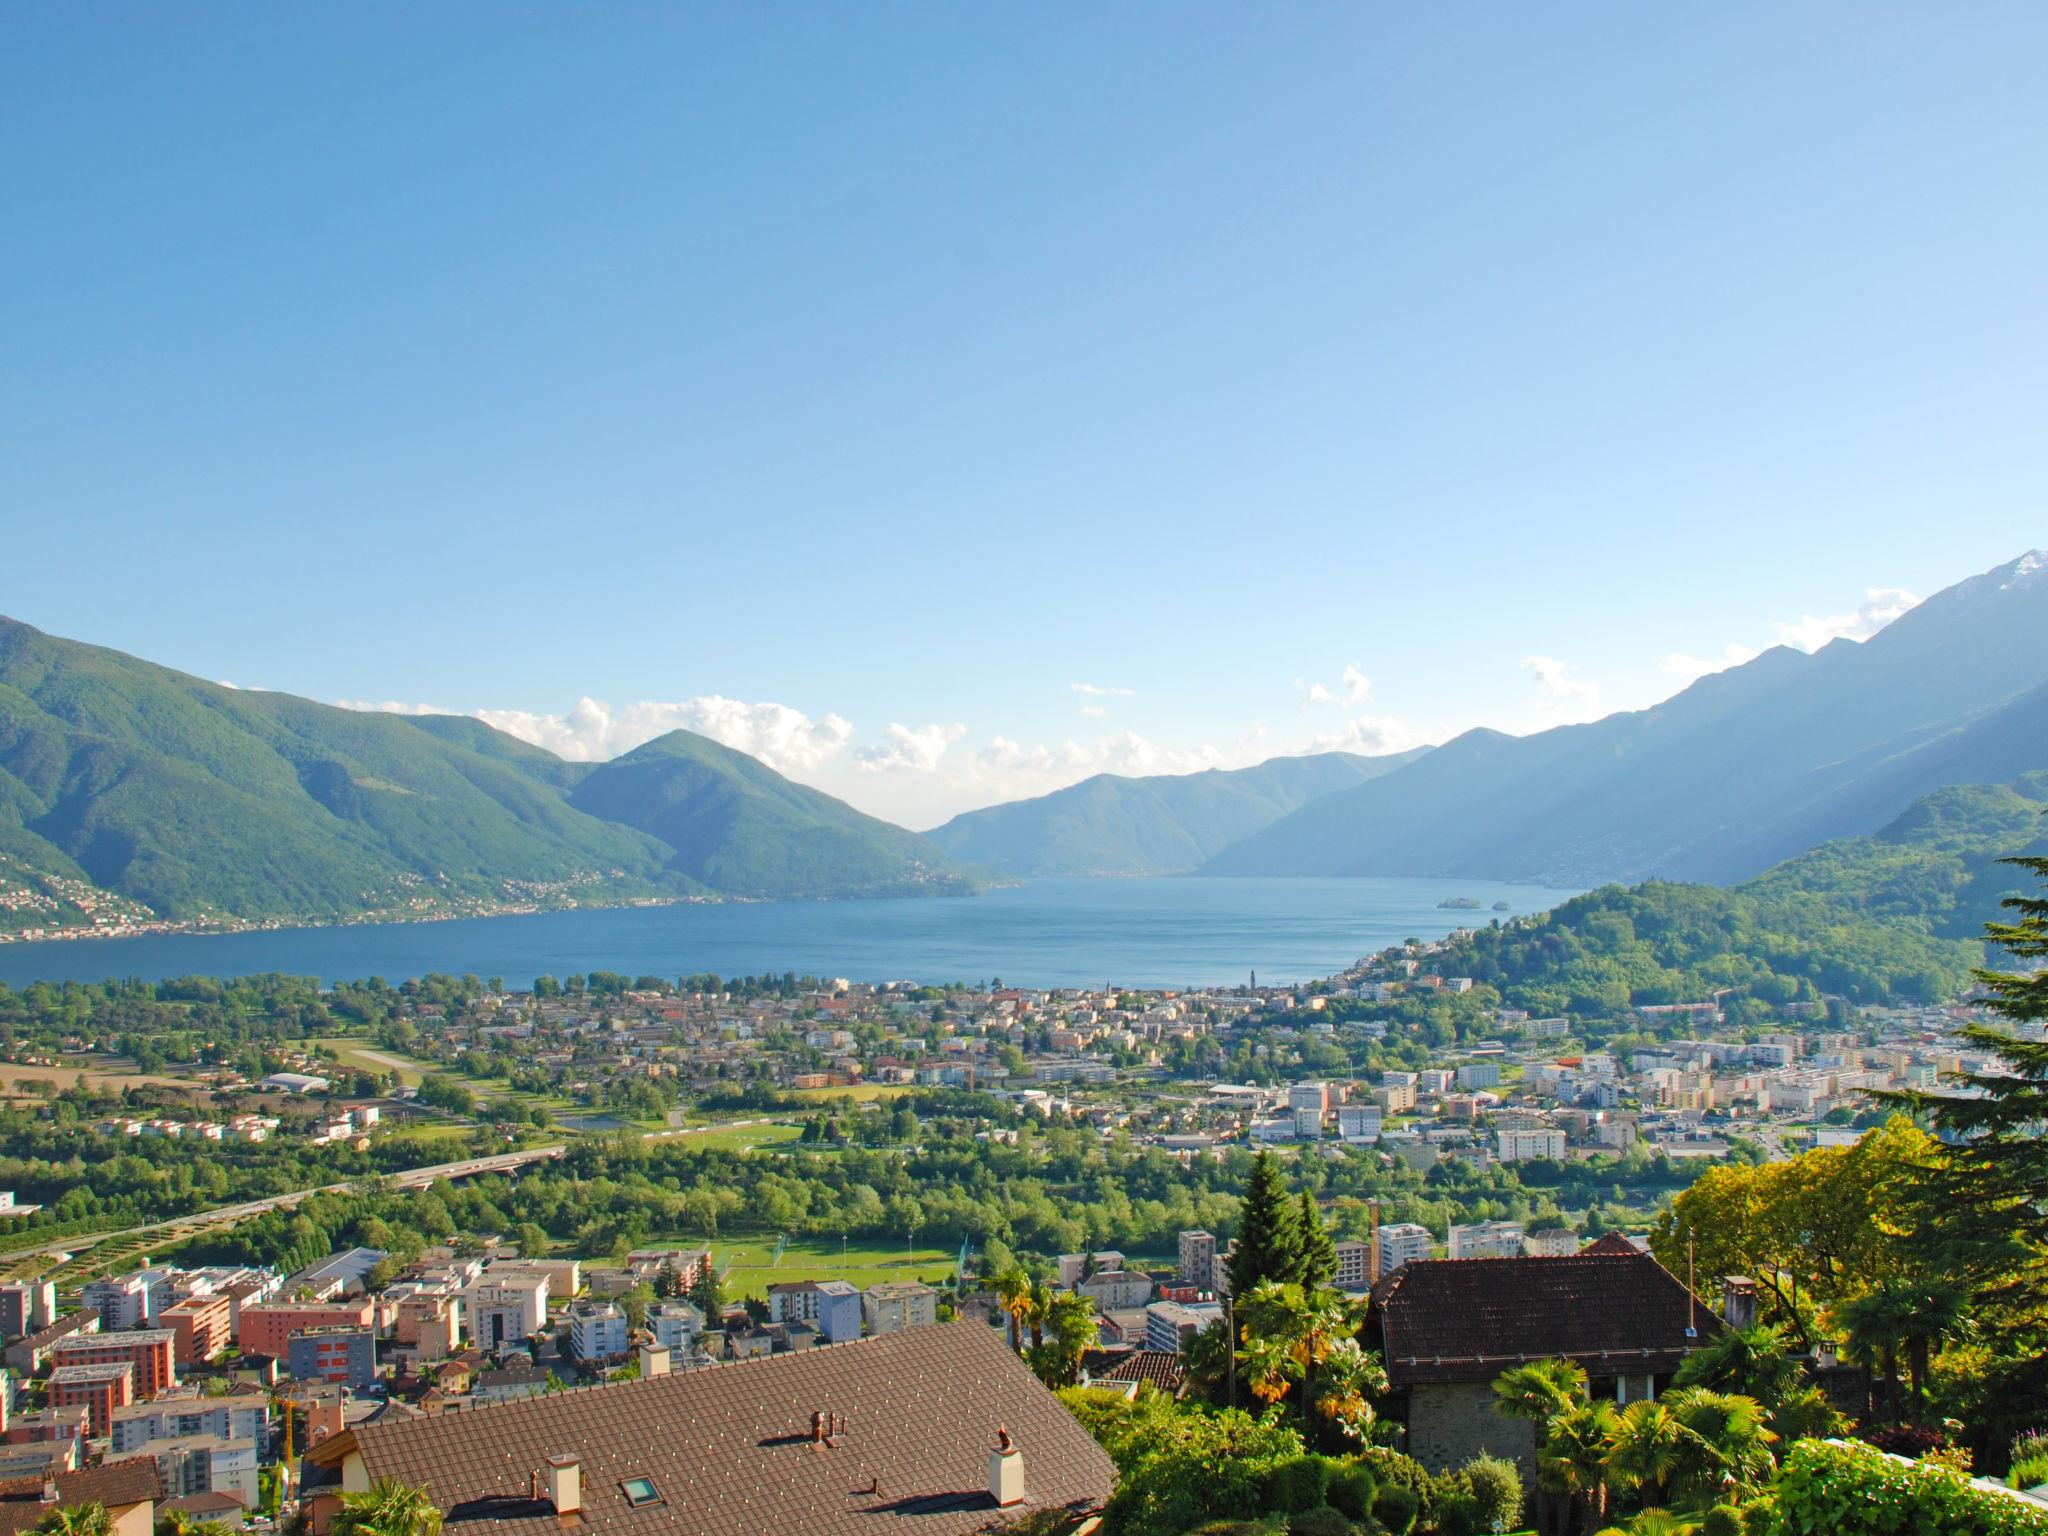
[[1487, 1240], [224, 1418], [751, 1447], [895, 1306], [1476, 1075], [1396, 1092], [1403, 1242], [26, 1306], [196, 1464], [1446, 1330], [1170, 1324], [1197, 1258], [128, 1491], [128, 1301], [1115, 1289], [598, 1331], [1551, 1243], [98, 1388], [506, 1307], [1354, 1266], [267, 1329], [201, 1327], [676, 1324], [147, 1349], [1530, 1143], [840, 1311], [343, 1353], [1359, 1122]]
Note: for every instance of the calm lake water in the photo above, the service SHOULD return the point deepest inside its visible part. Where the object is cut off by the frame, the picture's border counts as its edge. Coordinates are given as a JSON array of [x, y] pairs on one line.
[[1047, 933]]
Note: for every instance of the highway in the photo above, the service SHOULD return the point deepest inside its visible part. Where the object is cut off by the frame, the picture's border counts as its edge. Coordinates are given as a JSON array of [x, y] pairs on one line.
[[179, 1227]]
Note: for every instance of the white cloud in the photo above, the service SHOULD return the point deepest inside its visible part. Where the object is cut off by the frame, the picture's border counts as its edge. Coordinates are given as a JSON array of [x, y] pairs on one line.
[[1093, 711], [1690, 669], [1097, 691], [1562, 690], [1353, 689], [1368, 736], [1880, 606], [918, 751], [786, 739]]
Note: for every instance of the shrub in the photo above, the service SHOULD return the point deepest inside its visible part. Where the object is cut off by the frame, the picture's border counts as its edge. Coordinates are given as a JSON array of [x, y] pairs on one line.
[[1352, 1487], [1496, 1491], [1457, 1514], [1301, 1484], [1321, 1521], [2030, 1473], [1396, 1507], [1833, 1488], [1723, 1520]]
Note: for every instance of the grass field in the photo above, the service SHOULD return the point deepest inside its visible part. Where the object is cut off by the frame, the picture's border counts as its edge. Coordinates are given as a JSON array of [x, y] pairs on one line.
[[865, 1093], [864, 1264], [738, 1138]]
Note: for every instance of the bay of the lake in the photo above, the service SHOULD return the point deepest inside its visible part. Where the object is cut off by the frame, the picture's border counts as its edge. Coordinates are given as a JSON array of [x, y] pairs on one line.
[[1194, 931]]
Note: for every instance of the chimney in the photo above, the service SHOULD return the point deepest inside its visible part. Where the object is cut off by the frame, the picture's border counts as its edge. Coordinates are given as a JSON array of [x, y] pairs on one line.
[[565, 1483], [1738, 1301], [653, 1357], [1005, 1471]]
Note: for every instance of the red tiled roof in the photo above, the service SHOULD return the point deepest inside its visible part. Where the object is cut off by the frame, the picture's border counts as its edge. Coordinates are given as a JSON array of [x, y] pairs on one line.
[[115, 1485], [1615, 1312], [728, 1448], [1156, 1366]]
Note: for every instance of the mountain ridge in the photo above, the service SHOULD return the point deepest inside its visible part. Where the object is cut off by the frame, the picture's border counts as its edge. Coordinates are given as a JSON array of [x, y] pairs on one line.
[[1728, 777], [1148, 824]]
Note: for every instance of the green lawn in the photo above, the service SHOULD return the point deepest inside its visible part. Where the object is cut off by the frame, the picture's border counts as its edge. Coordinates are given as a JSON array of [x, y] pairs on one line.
[[864, 1264], [739, 1138]]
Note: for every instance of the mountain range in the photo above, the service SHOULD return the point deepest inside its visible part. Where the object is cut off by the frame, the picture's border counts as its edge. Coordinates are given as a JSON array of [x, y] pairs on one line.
[[205, 802], [1741, 770], [1165, 824], [125, 785]]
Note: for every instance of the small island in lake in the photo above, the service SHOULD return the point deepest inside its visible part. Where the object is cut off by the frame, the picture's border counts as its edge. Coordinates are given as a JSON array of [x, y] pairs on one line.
[[1459, 904]]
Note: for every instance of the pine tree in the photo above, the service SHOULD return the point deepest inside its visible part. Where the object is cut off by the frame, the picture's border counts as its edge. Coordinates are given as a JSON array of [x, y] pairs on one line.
[[1316, 1264], [1998, 1159], [707, 1294], [1268, 1232], [1985, 1215]]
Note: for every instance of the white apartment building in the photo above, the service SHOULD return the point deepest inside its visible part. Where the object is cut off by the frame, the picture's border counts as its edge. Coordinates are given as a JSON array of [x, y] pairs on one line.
[[1402, 1242], [1487, 1240]]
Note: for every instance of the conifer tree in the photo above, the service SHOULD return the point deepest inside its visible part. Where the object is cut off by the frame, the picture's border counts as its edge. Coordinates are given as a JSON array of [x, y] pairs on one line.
[[1317, 1264], [1268, 1232]]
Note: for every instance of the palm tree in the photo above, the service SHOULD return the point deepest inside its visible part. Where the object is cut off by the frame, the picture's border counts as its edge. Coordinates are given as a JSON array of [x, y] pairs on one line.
[[1289, 1335], [388, 1508], [1539, 1391], [1876, 1325], [77, 1520], [1646, 1448], [1726, 1448], [1572, 1459], [1752, 1361], [1070, 1320], [1937, 1313], [1013, 1295]]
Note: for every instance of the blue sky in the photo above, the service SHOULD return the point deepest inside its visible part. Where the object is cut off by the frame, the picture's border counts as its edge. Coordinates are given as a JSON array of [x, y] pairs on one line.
[[854, 381]]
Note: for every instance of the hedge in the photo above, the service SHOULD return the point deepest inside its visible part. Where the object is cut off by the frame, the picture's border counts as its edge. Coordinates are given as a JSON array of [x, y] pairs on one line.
[[1834, 1488]]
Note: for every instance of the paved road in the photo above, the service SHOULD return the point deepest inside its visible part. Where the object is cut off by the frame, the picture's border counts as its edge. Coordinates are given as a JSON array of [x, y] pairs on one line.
[[411, 1178]]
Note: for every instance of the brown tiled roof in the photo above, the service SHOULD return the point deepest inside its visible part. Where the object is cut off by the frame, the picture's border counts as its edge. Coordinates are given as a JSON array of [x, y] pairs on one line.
[[728, 1448], [115, 1485], [1161, 1369], [1444, 1320]]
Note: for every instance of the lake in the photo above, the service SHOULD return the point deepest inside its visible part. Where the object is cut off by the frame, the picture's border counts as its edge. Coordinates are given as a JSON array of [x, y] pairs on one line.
[[1043, 933]]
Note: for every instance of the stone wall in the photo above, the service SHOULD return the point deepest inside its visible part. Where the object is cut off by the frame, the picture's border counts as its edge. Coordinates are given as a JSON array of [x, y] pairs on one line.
[[1449, 1425]]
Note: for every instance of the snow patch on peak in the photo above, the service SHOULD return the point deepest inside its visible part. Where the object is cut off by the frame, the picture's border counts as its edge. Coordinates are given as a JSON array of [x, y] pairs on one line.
[[2031, 564]]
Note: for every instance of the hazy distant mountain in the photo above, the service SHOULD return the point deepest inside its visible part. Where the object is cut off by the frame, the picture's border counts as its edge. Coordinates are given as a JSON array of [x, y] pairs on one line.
[[1159, 825], [1741, 770], [207, 801]]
